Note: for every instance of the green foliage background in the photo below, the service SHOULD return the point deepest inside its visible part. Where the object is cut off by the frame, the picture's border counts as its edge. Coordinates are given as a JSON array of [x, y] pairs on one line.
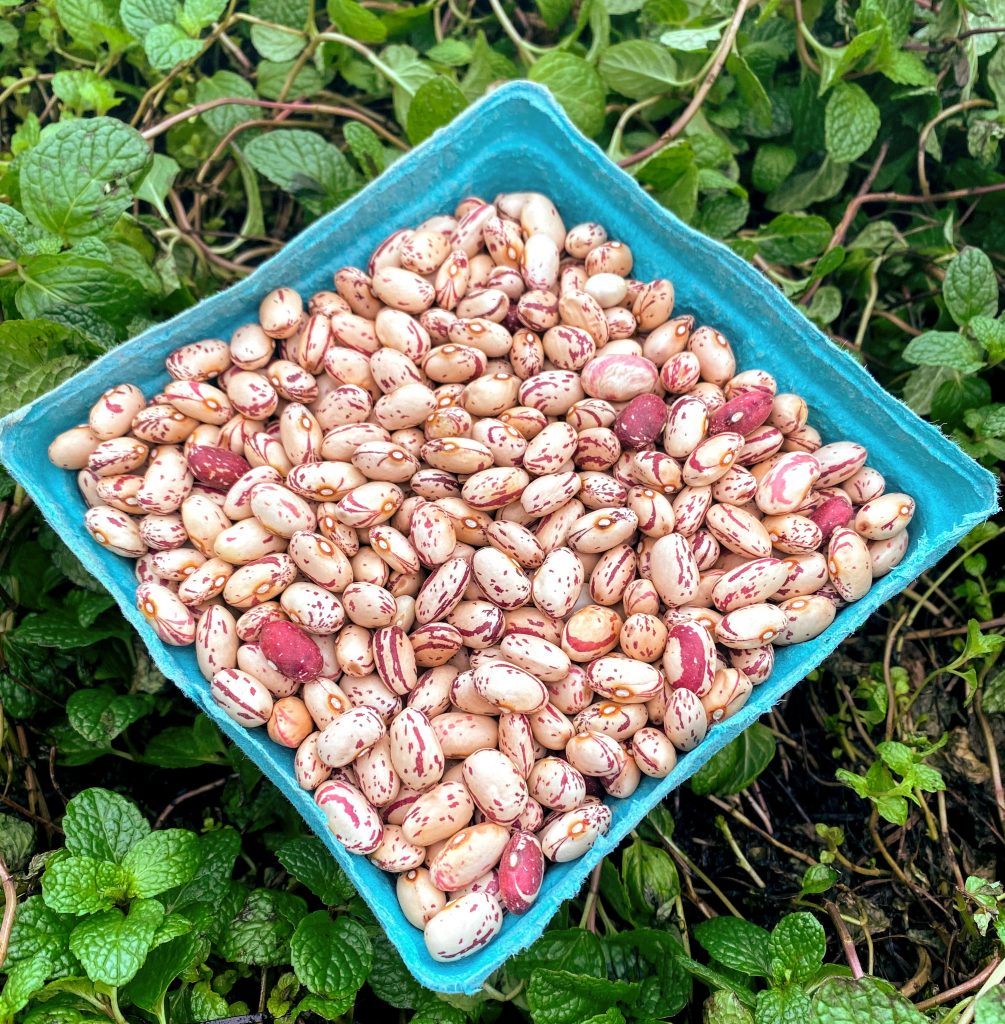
[[840, 861]]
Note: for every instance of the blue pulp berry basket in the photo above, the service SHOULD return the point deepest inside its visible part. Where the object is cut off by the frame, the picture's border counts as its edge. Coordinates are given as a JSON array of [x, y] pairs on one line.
[[518, 139]]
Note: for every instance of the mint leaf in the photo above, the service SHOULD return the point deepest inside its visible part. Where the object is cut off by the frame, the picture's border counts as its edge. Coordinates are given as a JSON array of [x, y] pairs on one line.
[[260, 933], [140, 16], [723, 1007], [802, 190], [23, 981], [944, 348], [650, 879], [186, 746], [990, 1008], [307, 859], [75, 182], [157, 182], [751, 91], [844, 1000], [736, 944], [818, 878], [365, 147], [84, 91], [574, 950], [994, 694], [33, 359], [102, 714], [650, 958], [354, 20], [793, 238], [558, 997], [103, 825], [161, 861], [199, 14], [553, 12], [332, 958], [82, 885], [304, 164], [163, 964], [735, 767], [211, 882], [991, 334], [39, 929], [224, 118], [169, 45], [772, 165], [786, 1005], [576, 85], [851, 122], [971, 287], [410, 71], [638, 69], [796, 948], [390, 979], [90, 22], [274, 43], [435, 104], [837, 61], [112, 946]]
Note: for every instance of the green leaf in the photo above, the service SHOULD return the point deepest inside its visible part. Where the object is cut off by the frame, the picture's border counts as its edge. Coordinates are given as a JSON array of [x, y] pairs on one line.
[[304, 164], [692, 40], [435, 104], [16, 841], [186, 747], [736, 766], [332, 958], [157, 182], [84, 91], [140, 16], [75, 182], [650, 879], [161, 861], [23, 981], [772, 165], [649, 957], [993, 699], [454, 53], [923, 384], [751, 91], [825, 306], [199, 14], [90, 22], [558, 997], [101, 714], [802, 190], [33, 359], [638, 69], [112, 946], [224, 118], [990, 1007], [818, 878], [553, 12], [797, 947], [211, 882], [970, 287], [260, 933], [38, 929], [365, 147], [274, 43], [723, 1007], [793, 238], [390, 979], [354, 20], [168, 45], [486, 66], [991, 334], [576, 85], [573, 950], [835, 62], [410, 72], [736, 944], [843, 1000], [103, 825], [308, 860], [851, 123], [82, 885], [786, 1005], [163, 965], [722, 215], [944, 348]]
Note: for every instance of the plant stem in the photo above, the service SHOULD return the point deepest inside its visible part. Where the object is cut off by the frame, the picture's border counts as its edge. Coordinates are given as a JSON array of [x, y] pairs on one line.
[[960, 990], [9, 909], [521, 44], [956, 108], [993, 762], [722, 825], [691, 866], [851, 954], [718, 62]]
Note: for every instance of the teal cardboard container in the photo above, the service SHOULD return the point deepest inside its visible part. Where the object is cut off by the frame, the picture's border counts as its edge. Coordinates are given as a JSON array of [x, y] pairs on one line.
[[518, 139]]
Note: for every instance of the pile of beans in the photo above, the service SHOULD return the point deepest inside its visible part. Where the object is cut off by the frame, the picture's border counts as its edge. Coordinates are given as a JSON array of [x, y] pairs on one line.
[[484, 534]]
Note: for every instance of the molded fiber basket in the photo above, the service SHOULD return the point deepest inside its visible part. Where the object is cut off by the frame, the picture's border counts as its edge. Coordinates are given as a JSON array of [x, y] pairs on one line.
[[518, 139]]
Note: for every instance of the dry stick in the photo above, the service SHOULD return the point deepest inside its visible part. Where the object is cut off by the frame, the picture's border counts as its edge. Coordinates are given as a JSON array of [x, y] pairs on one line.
[[294, 106], [804, 54], [919, 979], [851, 954], [171, 807], [956, 108], [191, 235], [740, 817], [725, 45], [960, 990], [9, 909], [898, 322], [589, 919], [996, 772], [891, 695], [947, 843], [31, 780], [849, 214], [928, 634]]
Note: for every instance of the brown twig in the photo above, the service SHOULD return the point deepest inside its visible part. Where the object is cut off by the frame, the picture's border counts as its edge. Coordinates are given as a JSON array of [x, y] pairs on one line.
[[956, 108], [919, 979], [849, 214], [24, 812], [801, 48], [928, 634], [960, 990], [589, 921], [993, 762], [294, 106], [718, 62], [9, 909], [742, 819], [850, 953], [198, 791], [897, 322]]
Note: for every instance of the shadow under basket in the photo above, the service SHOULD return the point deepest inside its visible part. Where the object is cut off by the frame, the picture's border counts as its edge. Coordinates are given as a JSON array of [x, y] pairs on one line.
[[518, 139]]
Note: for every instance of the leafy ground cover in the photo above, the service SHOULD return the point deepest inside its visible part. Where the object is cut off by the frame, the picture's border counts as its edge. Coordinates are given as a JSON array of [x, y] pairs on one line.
[[842, 860]]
